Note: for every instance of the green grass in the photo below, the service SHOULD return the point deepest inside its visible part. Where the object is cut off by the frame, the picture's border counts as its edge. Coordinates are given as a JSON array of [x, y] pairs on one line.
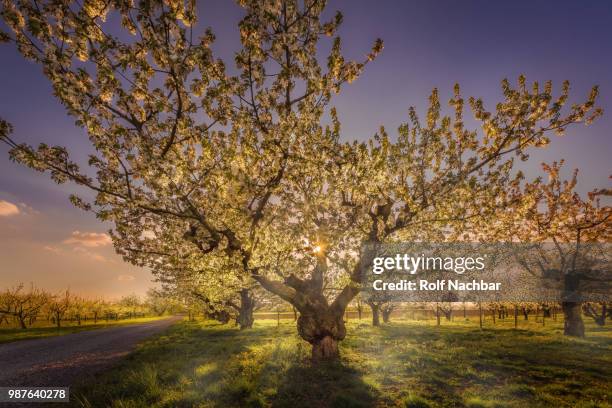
[[14, 334], [401, 364]]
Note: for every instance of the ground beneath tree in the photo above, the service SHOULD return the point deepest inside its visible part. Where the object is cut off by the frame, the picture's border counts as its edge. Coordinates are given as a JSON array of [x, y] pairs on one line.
[[405, 363], [62, 360]]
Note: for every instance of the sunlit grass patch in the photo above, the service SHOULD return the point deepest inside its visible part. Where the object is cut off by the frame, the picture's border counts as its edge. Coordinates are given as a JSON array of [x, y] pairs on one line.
[[402, 364]]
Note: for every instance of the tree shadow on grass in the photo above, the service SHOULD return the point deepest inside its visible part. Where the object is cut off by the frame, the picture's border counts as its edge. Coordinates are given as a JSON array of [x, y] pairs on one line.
[[330, 384], [511, 365], [268, 366]]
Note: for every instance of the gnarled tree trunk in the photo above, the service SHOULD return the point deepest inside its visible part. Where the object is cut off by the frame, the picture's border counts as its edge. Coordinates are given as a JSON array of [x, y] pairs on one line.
[[325, 349], [323, 329], [320, 323]]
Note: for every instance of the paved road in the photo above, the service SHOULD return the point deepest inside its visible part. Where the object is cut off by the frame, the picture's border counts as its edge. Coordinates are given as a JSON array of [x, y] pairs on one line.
[[61, 360]]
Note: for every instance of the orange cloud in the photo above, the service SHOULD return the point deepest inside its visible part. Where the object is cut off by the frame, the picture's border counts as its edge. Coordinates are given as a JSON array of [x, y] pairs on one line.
[[88, 239], [7, 209], [125, 278], [89, 254], [53, 249]]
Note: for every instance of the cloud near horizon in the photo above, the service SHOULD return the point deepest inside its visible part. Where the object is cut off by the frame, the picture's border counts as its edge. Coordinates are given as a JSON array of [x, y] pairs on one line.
[[7, 209], [56, 250], [89, 254], [77, 250], [88, 239]]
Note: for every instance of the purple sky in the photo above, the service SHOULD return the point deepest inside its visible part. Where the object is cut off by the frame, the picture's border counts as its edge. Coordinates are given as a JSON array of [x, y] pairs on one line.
[[427, 44]]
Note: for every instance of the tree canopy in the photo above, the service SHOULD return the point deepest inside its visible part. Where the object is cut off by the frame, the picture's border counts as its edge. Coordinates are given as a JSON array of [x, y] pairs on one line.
[[242, 176]]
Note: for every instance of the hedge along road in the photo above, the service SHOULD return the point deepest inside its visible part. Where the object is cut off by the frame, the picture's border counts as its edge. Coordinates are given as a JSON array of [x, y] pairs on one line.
[[61, 361]]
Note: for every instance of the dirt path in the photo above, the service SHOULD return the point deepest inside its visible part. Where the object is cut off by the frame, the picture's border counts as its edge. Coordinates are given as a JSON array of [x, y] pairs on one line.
[[62, 360]]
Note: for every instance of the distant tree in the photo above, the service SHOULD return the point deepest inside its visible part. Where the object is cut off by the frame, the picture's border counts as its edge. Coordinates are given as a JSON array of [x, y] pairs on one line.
[[78, 308], [375, 309], [446, 304], [569, 228], [97, 308], [131, 304], [223, 295], [386, 311], [526, 308], [60, 305], [23, 305], [380, 306], [359, 306], [598, 311], [160, 302]]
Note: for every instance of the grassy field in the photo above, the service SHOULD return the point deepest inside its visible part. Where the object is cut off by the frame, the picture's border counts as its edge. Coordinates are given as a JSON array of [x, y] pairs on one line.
[[13, 334], [402, 364]]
